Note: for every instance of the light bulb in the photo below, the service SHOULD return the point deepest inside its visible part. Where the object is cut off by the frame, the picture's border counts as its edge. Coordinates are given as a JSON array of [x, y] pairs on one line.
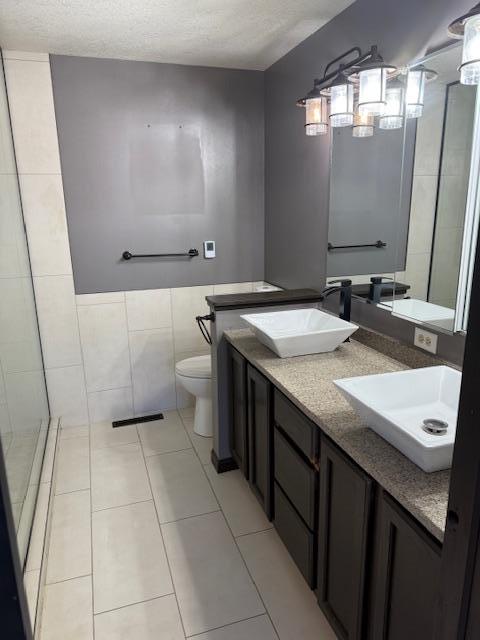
[[363, 125]]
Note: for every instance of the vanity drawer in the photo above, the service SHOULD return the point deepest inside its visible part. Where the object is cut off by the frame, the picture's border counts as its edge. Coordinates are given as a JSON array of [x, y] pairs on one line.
[[297, 479], [298, 427], [295, 535]]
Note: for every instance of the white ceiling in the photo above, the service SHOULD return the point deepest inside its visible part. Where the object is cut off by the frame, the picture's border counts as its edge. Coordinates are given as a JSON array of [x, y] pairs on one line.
[[244, 34]]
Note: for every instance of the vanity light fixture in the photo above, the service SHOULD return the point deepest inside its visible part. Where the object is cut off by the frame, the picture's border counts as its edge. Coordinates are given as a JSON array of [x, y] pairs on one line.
[[416, 79], [468, 28], [363, 125], [340, 91], [372, 75], [393, 115], [316, 113]]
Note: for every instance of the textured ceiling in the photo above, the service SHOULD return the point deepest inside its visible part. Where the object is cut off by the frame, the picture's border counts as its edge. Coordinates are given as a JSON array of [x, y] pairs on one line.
[[244, 34]]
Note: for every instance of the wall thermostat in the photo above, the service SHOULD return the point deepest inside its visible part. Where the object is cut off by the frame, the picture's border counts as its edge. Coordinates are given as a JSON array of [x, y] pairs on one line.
[[209, 249]]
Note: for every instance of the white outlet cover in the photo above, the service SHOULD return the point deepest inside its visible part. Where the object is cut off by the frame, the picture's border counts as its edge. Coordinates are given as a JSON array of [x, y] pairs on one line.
[[425, 340]]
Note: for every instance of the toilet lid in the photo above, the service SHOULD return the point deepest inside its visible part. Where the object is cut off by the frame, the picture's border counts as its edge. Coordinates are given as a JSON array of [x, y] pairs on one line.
[[197, 367]]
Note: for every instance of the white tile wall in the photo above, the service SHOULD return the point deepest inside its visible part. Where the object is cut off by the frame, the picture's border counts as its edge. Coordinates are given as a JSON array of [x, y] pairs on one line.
[[107, 355]]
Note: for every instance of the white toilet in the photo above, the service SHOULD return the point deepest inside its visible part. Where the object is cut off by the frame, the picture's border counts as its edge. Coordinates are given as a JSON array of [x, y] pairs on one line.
[[195, 375]]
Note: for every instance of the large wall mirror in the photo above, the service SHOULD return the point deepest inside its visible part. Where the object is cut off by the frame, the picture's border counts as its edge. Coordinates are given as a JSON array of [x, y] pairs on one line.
[[404, 203]]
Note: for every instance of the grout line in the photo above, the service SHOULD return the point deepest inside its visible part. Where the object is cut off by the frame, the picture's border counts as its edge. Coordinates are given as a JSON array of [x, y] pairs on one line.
[[251, 533], [196, 515], [133, 604], [91, 529], [83, 575], [120, 506], [163, 543], [225, 626]]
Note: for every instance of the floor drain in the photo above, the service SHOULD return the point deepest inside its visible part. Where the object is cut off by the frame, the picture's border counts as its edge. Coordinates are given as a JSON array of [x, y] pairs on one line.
[[435, 427]]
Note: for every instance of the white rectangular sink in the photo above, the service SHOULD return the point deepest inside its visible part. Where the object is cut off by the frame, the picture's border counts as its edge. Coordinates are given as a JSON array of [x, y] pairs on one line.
[[300, 331], [395, 406]]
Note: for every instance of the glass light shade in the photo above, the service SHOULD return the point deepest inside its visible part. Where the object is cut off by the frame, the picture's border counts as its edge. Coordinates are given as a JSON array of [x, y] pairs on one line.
[[371, 97], [470, 67], [415, 93], [392, 117], [316, 117], [341, 105], [363, 125]]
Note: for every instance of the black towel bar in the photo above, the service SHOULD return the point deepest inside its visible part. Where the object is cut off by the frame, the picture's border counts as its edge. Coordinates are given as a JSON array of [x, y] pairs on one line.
[[379, 244], [191, 253]]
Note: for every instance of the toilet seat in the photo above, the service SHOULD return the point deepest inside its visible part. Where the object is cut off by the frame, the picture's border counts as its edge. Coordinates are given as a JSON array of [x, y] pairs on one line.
[[197, 367]]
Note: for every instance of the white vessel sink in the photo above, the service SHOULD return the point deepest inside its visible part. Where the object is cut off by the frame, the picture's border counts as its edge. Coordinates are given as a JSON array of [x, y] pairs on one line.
[[300, 331], [395, 406], [421, 311]]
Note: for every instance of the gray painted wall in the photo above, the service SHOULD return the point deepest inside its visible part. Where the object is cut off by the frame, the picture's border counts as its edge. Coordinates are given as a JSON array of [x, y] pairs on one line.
[[297, 168], [159, 158]]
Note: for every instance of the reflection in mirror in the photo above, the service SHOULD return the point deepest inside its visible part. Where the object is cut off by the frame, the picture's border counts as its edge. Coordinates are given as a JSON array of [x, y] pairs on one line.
[[440, 183]]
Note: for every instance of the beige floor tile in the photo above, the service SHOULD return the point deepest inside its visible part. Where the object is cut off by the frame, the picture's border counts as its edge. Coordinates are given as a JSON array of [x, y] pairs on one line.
[[73, 465], [31, 580], [119, 477], [70, 550], [153, 620], [187, 412], [37, 538], [202, 445], [180, 487], [163, 436], [259, 628], [67, 610], [102, 434], [291, 604], [129, 562], [74, 432], [241, 508], [211, 582]]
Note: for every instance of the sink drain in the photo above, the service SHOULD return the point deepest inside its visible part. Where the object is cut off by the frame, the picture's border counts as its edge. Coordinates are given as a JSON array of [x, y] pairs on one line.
[[435, 427]]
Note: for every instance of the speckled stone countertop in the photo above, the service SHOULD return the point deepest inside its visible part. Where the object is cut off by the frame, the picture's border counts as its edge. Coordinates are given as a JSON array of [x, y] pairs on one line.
[[308, 382]]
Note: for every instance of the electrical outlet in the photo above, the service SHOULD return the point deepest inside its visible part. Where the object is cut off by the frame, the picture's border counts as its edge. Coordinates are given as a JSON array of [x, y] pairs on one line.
[[425, 340]]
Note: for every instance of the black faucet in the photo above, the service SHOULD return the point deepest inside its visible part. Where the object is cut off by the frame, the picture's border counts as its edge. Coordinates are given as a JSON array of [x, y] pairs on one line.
[[376, 288], [345, 290]]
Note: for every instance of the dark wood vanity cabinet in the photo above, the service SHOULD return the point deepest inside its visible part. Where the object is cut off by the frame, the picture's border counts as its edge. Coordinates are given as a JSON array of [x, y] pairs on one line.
[[406, 576], [238, 410], [260, 438], [296, 442], [374, 568], [345, 516]]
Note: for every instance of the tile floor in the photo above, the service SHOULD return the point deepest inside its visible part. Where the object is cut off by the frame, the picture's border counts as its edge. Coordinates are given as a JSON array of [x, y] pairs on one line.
[[148, 542]]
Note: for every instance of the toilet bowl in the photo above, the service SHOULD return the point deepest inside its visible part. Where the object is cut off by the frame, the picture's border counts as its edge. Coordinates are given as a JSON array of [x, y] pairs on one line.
[[195, 374]]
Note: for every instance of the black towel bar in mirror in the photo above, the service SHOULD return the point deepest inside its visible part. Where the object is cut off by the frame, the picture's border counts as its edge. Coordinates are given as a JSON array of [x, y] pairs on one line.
[[191, 253], [379, 244]]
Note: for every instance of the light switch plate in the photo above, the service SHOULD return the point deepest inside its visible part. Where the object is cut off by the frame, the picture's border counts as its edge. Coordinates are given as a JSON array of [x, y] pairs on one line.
[[425, 340]]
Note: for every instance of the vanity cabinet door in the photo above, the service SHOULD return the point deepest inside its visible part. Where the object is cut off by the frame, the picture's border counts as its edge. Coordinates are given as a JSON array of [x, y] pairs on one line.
[[238, 410], [344, 531], [260, 438], [407, 575]]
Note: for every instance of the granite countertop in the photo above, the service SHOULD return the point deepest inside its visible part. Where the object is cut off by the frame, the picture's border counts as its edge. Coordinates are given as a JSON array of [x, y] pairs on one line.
[[262, 299], [308, 382]]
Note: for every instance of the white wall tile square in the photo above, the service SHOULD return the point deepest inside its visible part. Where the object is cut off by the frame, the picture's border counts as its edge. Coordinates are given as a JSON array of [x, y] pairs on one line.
[[100, 298], [188, 302], [67, 394], [152, 370], [103, 331], [33, 116], [44, 211], [58, 321], [234, 287], [149, 309], [114, 404]]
